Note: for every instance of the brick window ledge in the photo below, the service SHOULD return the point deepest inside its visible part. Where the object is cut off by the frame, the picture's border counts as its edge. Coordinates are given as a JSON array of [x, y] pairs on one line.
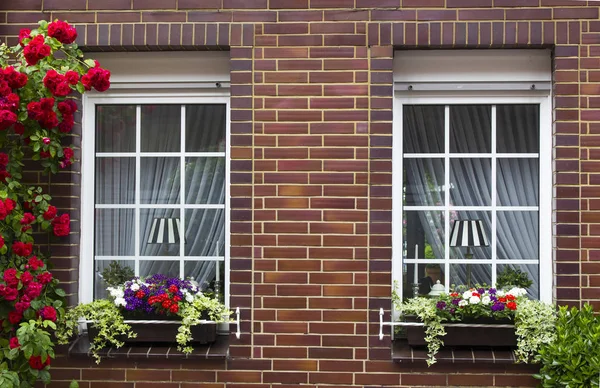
[[402, 352], [217, 350]]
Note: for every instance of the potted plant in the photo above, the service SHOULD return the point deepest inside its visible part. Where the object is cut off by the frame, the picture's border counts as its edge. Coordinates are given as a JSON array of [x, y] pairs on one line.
[[474, 308], [186, 315]]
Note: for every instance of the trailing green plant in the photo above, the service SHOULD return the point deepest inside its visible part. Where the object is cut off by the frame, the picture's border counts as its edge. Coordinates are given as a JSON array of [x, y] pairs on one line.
[[513, 277], [573, 358], [107, 319], [535, 327]]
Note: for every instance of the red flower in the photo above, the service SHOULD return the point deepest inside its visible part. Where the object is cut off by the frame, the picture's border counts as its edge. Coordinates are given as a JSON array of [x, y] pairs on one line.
[[26, 277], [72, 77], [3, 159], [36, 50], [502, 299], [166, 304], [511, 305], [8, 293], [61, 225], [21, 306], [35, 362], [67, 107], [174, 308], [510, 297], [10, 277], [22, 249], [14, 317], [176, 298], [50, 213], [44, 277], [68, 153], [19, 128], [33, 290], [62, 31], [7, 119], [24, 34], [35, 263], [9, 205], [15, 79], [97, 78], [27, 219], [14, 343], [1, 242], [67, 123], [173, 289], [140, 294], [48, 313]]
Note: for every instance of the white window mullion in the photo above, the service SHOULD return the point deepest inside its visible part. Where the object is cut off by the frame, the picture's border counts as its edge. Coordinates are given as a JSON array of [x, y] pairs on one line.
[[447, 196], [181, 197], [492, 239], [138, 147]]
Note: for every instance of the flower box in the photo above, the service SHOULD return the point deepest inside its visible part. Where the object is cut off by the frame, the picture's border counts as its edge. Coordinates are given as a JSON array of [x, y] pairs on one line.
[[468, 336], [163, 332]]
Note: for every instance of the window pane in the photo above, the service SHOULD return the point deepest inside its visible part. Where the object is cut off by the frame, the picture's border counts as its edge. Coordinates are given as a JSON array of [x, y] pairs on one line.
[[470, 275], [531, 272], [205, 273], [160, 181], [205, 128], [114, 229], [518, 128], [115, 128], [470, 128], [205, 232], [518, 182], [518, 235], [164, 267], [424, 182], [115, 180], [479, 252], [160, 231], [428, 275], [99, 283], [161, 128], [423, 128], [205, 180], [470, 182], [423, 233]]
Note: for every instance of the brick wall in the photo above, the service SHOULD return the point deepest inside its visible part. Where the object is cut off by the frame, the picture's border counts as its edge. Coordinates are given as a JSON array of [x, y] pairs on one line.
[[311, 179]]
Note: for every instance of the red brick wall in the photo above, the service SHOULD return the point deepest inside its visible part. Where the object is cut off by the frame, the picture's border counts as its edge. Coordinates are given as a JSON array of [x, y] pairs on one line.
[[311, 170]]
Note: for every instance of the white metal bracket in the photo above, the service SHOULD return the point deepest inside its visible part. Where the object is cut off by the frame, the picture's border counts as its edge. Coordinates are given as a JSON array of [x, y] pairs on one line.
[[238, 333]]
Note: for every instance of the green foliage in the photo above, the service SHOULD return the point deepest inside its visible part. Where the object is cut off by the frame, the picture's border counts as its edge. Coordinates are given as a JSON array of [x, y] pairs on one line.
[[573, 358], [512, 277], [535, 327], [104, 316], [116, 274]]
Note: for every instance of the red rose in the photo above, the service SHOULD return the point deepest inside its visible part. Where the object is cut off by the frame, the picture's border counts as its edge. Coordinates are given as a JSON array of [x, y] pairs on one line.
[[27, 219], [10, 277], [62, 89], [67, 107], [24, 34], [14, 317], [7, 119], [61, 225], [22, 249], [72, 77], [14, 343], [96, 77], [21, 306], [8, 293], [33, 290], [50, 213], [9, 204], [47, 103], [62, 31], [3, 159], [44, 277], [67, 123], [26, 277], [15, 79], [35, 263], [36, 50], [68, 153], [48, 313], [19, 128], [35, 362], [1, 242]]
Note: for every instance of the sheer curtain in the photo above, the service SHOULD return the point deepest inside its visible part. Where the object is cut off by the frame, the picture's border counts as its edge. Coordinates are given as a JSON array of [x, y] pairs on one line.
[[470, 178]]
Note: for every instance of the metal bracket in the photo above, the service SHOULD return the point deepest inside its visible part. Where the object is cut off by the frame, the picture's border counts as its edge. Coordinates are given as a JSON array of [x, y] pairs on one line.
[[238, 333]]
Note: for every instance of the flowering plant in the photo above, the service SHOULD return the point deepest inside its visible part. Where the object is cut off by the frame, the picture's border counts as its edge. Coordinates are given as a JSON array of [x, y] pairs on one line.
[[157, 295], [40, 79], [482, 302]]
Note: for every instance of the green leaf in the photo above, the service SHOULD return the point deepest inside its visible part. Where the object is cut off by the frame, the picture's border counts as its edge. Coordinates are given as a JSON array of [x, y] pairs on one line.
[[74, 384], [60, 292], [90, 62], [80, 88], [38, 198]]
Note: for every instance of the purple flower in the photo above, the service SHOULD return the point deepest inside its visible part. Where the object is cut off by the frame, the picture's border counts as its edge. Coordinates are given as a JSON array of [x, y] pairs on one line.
[[498, 307], [452, 310], [481, 291], [441, 305], [455, 301], [492, 291]]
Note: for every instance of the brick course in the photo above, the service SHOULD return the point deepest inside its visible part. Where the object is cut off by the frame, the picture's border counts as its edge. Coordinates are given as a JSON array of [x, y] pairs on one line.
[[311, 128]]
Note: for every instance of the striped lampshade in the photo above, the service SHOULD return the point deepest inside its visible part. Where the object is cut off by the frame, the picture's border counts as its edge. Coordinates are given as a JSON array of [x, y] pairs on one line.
[[468, 233], [164, 231]]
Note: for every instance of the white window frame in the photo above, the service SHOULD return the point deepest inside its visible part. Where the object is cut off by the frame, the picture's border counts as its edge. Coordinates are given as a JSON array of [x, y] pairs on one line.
[[448, 97], [149, 93]]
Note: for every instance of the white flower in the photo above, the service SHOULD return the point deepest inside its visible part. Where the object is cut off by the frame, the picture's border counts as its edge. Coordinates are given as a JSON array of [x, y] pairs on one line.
[[462, 303], [486, 300], [189, 298], [516, 291], [116, 292], [500, 293], [467, 294], [474, 300], [120, 302], [135, 287]]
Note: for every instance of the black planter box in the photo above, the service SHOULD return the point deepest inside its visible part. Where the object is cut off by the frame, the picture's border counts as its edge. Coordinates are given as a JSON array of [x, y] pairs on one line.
[[163, 332], [469, 336]]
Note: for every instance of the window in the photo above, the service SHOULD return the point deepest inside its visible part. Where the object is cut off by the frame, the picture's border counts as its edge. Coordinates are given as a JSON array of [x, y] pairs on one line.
[[155, 183], [482, 155]]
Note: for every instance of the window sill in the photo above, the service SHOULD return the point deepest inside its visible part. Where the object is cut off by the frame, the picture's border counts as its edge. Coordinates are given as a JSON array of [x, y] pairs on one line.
[[402, 352], [217, 350]]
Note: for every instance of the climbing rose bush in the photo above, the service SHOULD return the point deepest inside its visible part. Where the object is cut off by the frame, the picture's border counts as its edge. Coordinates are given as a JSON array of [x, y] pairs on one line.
[[40, 80]]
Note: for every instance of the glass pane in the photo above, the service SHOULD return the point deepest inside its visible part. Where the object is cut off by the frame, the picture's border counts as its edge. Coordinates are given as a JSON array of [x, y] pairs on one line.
[[423, 234], [205, 180], [423, 128], [427, 276], [161, 128], [115, 128], [99, 280], [470, 275], [165, 267], [518, 128], [114, 229], [160, 181], [509, 275], [470, 182], [115, 180], [205, 232], [205, 273], [518, 182], [424, 182], [205, 128], [479, 252], [518, 235], [470, 128], [160, 231]]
